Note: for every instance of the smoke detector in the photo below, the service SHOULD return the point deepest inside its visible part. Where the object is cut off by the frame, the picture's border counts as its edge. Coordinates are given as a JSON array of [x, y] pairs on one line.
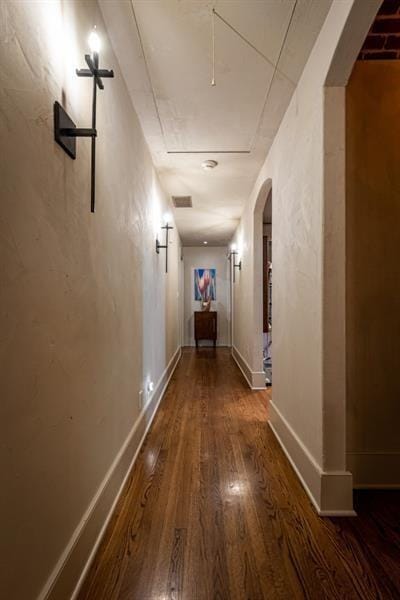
[[209, 164]]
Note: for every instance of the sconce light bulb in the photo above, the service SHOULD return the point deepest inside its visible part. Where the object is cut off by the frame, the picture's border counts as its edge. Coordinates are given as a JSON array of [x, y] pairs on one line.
[[233, 247], [94, 41], [150, 386], [167, 218]]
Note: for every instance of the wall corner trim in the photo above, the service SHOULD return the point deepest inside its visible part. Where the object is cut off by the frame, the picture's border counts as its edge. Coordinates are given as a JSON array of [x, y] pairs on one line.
[[331, 492], [255, 379], [68, 575]]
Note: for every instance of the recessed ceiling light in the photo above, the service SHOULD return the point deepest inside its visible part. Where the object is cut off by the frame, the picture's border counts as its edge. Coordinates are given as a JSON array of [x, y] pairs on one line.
[[209, 164], [205, 242]]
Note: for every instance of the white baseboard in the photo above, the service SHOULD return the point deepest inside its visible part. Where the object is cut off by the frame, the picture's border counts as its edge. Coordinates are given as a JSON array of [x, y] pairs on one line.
[[375, 470], [205, 344], [72, 567], [330, 492], [255, 379]]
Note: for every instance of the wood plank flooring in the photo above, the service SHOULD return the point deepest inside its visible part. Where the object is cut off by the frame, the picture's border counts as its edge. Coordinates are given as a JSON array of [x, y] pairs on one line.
[[213, 511]]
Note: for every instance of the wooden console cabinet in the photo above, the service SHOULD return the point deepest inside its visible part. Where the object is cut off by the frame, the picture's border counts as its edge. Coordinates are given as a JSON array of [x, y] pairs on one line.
[[205, 326]]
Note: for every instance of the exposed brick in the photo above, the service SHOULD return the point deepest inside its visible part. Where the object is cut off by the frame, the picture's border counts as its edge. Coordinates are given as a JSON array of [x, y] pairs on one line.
[[386, 55], [389, 7], [375, 42], [383, 39], [391, 25], [393, 42]]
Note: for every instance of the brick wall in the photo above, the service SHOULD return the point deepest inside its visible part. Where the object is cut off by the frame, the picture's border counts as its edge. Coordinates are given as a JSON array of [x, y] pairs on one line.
[[383, 39]]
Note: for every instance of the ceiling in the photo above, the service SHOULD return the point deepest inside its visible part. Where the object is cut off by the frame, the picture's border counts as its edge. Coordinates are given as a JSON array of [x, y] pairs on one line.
[[164, 48]]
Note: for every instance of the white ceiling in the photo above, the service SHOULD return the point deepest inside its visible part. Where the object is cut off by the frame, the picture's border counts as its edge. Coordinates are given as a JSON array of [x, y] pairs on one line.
[[179, 110]]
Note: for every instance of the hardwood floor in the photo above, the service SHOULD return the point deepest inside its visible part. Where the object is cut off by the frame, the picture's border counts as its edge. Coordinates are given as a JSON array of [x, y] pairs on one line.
[[213, 510]]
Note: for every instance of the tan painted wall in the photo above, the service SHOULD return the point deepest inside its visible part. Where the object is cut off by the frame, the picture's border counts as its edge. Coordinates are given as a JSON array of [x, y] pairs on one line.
[[87, 313], [373, 272], [306, 167], [294, 167]]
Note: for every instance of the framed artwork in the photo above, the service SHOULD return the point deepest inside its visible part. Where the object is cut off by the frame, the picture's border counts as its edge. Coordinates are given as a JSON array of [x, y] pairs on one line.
[[205, 284]]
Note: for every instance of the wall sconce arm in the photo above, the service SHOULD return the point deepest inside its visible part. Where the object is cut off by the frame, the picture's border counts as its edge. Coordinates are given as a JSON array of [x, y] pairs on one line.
[[78, 132], [165, 246], [235, 265], [158, 246]]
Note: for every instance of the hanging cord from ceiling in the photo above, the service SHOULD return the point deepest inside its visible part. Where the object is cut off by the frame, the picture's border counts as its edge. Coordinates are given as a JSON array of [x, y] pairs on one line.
[[213, 45], [260, 120], [246, 41], [153, 94], [213, 81]]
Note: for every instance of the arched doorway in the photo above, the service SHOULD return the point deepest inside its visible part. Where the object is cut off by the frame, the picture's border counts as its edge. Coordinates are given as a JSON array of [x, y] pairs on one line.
[[262, 252], [267, 289]]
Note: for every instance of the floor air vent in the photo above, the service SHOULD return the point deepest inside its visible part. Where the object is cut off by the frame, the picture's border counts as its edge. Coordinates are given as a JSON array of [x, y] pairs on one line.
[[182, 201]]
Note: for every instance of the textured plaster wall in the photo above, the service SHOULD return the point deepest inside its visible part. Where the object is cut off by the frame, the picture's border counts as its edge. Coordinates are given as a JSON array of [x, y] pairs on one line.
[[87, 313], [308, 229], [294, 165], [207, 258], [373, 272]]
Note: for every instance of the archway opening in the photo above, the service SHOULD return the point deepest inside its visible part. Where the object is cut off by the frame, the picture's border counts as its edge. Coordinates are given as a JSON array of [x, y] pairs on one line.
[[262, 253], [267, 289], [372, 265]]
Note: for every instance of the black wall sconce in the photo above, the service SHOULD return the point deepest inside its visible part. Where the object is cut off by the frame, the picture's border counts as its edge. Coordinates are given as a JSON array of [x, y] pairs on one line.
[[167, 228], [233, 253], [65, 130]]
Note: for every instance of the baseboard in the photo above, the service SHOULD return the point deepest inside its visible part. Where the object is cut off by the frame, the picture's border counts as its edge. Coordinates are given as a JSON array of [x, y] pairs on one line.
[[68, 575], [375, 470], [205, 344], [255, 379], [330, 492], [377, 486]]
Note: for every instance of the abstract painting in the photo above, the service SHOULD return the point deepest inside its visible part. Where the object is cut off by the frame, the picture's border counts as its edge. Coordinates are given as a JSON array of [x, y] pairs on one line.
[[205, 284]]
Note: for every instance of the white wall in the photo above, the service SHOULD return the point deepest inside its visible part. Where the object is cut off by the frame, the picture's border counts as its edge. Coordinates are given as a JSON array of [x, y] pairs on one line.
[[87, 312], [206, 258], [308, 239]]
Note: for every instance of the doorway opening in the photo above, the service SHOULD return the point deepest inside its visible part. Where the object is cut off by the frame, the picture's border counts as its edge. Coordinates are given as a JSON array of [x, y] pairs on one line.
[[267, 289], [262, 276], [373, 272]]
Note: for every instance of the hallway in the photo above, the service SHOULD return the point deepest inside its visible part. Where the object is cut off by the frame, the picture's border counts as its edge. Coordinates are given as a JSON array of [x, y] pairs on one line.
[[181, 180], [212, 509]]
